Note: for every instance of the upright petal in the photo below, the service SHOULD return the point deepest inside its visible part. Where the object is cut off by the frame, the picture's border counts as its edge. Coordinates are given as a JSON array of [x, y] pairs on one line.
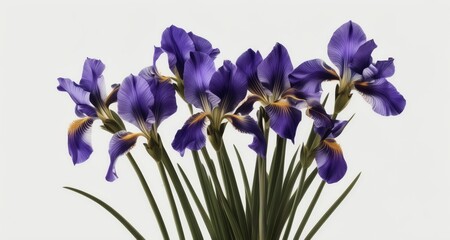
[[92, 80], [284, 119], [308, 76], [164, 100], [246, 124], [382, 95], [191, 135], [385, 68], [230, 85], [197, 76], [344, 43], [79, 139], [120, 143], [274, 70], [248, 63], [79, 96], [112, 96], [203, 45], [134, 101], [363, 56], [330, 161], [177, 44]]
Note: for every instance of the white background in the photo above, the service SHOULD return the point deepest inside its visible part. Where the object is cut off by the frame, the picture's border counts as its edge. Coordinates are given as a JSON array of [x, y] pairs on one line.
[[404, 190]]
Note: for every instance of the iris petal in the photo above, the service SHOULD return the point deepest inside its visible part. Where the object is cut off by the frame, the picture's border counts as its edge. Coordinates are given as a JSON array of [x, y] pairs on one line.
[[134, 101], [164, 100], [203, 45], [191, 135], [363, 56], [177, 44], [246, 124], [79, 139], [248, 63], [385, 68], [308, 76], [284, 119], [92, 80], [79, 96], [382, 95], [319, 115], [330, 161], [344, 43], [247, 106], [120, 143]]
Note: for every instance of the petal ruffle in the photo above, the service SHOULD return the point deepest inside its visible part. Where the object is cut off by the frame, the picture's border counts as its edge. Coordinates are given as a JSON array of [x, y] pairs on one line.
[[120, 143], [164, 100], [203, 45], [284, 119], [177, 44], [382, 95], [191, 135], [79, 139], [330, 161], [344, 43], [363, 56], [230, 85], [134, 101], [246, 124], [308, 76], [79, 96]]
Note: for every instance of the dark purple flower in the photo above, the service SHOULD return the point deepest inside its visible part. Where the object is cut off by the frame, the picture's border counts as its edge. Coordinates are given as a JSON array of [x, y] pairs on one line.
[[217, 94], [120, 143], [351, 54]]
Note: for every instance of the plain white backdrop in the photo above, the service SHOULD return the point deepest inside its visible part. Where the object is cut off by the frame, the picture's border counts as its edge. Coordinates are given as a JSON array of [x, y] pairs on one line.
[[404, 190]]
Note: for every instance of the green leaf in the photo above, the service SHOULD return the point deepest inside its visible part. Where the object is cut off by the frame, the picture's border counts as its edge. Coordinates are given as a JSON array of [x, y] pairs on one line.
[[244, 176], [111, 210]]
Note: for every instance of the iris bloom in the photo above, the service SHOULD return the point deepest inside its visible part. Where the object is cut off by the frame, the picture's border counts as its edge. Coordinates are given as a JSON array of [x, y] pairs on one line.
[[269, 84], [351, 54], [217, 94], [331, 164], [145, 102], [91, 103]]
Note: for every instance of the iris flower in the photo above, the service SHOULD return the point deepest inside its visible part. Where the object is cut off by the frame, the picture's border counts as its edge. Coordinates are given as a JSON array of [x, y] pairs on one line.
[[144, 102], [269, 84], [217, 94], [351, 53], [91, 103]]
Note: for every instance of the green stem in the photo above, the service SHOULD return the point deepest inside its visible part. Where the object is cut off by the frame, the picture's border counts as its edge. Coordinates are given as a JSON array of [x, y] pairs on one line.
[[150, 197], [262, 198], [294, 206]]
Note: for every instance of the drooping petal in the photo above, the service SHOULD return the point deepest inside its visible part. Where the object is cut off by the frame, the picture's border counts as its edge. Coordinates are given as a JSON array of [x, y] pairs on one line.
[[385, 68], [191, 135], [382, 95], [79, 139], [203, 45], [363, 56], [247, 106], [284, 119], [230, 85], [164, 100], [177, 44], [197, 76], [246, 124], [248, 63], [330, 161], [92, 80], [308, 76], [120, 143], [274, 70], [344, 43], [79, 96], [134, 101]]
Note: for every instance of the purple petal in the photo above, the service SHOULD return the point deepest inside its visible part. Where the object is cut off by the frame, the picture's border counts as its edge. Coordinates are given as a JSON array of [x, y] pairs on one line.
[[274, 70], [338, 127], [203, 45], [247, 106], [385, 68], [382, 95], [92, 80], [191, 135], [120, 143], [344, 43], [79, 139], [230, 85], [246, 124], [308, 76], [284, 119], [177, 44], [330, 161], [134, 101], [321, 118], [197, 76], [248, 63], [164, 100], [79, 96], [112, 96], [363, 56]]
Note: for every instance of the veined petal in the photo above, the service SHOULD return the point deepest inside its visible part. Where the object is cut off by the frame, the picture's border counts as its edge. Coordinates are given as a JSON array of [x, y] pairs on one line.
[[134, 101], [246, 124], [164, 100], [274, 70], [385, 68], [79, 139], [338, 127], [247, 106], [197, 76], [382, 95], [330, 161], [120, 143], [363, 56], [177, 44], [308, 76], [79, 96], [284, 119], [321, 118], [248, 63], [203, 45], [92, 80], [112, 96], [230, 85], [344, 43], [191, 135]]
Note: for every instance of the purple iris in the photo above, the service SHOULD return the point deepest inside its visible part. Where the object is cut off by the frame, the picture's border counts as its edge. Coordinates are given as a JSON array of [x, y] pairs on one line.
[[145, 102], [269, 84], [91, 103], [331, 164], [351, 54], [217, 94]]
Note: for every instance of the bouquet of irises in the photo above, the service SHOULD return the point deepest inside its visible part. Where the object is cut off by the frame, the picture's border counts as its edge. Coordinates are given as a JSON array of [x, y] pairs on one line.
[[261, 96]]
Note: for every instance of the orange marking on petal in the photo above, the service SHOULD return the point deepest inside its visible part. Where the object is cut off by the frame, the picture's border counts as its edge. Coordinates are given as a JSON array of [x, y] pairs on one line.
[[77, 125], [333, 145], [198, 118]]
